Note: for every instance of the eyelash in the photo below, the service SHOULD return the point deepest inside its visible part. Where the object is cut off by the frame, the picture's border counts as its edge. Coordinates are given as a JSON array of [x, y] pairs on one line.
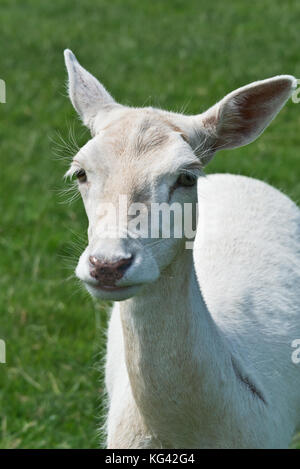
[[186, 180], [81, 176], [179, 184]]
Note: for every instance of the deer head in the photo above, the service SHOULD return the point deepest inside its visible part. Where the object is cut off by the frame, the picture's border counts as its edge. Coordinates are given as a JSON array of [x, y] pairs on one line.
[[145, 156]]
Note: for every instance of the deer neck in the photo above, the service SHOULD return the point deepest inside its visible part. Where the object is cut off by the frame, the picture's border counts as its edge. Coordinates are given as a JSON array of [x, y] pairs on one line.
[[176, 357]]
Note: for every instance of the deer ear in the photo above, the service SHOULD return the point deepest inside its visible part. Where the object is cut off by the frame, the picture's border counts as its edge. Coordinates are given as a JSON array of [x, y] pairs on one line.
[[86, 93], [243, 115]]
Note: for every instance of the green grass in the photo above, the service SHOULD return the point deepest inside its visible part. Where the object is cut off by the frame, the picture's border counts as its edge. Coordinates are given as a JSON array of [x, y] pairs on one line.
[[170, 53]]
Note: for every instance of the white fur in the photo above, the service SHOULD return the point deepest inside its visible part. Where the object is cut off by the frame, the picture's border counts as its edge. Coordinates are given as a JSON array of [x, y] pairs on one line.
[[199, 349]]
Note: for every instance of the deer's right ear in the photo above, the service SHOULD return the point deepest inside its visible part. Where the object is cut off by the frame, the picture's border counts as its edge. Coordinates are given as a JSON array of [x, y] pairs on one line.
[[87, 95]]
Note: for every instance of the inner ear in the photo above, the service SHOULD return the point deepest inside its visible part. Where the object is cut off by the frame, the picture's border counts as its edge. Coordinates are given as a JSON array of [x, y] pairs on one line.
[[242, 116], [252, 110]]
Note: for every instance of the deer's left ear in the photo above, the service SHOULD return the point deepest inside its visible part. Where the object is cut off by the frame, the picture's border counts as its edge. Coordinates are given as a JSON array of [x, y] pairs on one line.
[[87, 95], [242, 115]]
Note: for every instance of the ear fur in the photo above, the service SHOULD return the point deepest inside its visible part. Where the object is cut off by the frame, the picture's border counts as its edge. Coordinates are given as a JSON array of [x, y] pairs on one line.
[[240, 117], [86, 93]]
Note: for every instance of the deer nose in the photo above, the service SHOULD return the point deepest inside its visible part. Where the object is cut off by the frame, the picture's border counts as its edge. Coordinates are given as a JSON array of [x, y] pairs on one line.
[[107, 273]]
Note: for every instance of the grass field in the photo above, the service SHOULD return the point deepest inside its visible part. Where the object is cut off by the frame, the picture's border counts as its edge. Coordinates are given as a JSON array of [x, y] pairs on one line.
[[169, 53]]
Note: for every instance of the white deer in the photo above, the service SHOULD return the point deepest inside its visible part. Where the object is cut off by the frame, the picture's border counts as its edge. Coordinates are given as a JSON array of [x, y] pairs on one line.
[[199, 347]]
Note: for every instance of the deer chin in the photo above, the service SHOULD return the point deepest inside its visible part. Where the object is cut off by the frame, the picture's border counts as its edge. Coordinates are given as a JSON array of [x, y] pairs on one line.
[[113, 293]]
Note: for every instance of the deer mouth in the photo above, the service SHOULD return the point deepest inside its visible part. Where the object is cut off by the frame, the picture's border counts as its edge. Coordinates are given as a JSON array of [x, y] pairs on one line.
[[112, 292], [109, 287]]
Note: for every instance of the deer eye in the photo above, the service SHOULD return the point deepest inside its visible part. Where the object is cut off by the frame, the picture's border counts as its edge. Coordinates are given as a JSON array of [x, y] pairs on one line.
[[186, 180], [81, 175]]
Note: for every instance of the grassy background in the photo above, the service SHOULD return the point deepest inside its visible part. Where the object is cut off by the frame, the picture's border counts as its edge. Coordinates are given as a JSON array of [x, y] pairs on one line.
[[169, 53]]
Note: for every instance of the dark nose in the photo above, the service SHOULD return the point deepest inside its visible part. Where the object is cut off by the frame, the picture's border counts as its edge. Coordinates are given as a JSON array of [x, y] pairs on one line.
[[107, 273]]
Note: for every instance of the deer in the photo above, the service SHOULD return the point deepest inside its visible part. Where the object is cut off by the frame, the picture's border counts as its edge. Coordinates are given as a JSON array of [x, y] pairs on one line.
[[199, 340]]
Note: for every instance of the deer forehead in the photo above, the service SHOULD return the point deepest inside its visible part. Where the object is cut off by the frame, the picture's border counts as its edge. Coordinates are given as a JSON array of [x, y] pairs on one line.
[[136, 144], [140, 133], [138, 129]]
